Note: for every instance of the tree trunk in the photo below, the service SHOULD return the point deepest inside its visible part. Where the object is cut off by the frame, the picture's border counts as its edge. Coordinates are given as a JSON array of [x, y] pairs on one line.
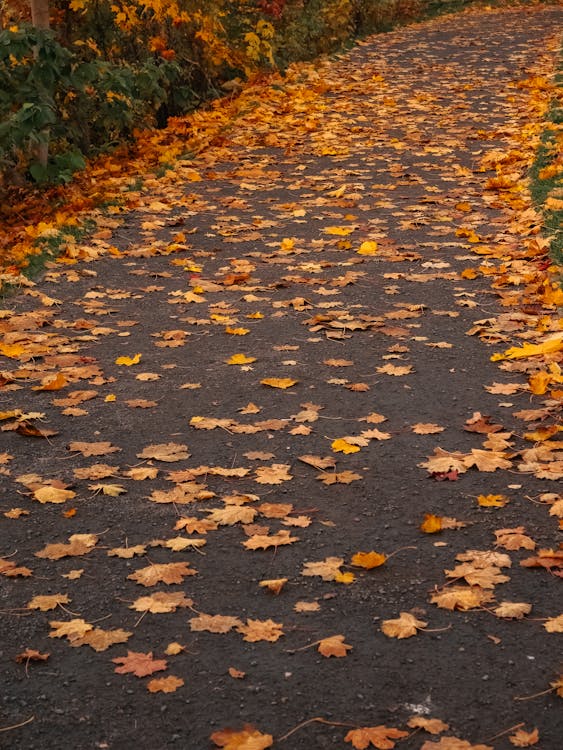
[[40, 19]]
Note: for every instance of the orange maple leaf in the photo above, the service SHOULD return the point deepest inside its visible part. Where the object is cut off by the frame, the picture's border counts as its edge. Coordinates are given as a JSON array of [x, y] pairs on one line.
[[381, 737]]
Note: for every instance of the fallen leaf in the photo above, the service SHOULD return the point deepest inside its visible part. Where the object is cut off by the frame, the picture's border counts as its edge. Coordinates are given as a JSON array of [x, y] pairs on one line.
[[167, 452], [521, 738], [214, 623], [275, 585], [31, 654], [405, 626], [512, 610], [282, 383], [240, 359], [432, 726], [492, 501], [165, 684], [139, 664], [162, 572], [128, 361], [93, 449], [368, 560], [247, 738], [334, 646], [260, 630], [100, 640], [381, 737], [264, 541], [343, 446], [161, 601], [78, 544], [327, 569], [554, 624], [48, 601]]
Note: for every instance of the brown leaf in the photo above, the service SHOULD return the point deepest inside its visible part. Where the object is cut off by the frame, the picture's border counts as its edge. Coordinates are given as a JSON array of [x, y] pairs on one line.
[[275, 585], [461, 597], [100, 640], [161, 601], [306, 607], [274, 474], [426, 428], [93, 449], [512, 610], [261, 630], [167, 452], [381, 737], [263, 541], [247, 738], [10, 569], [453, 743], [165, 572], [78, 544], [368, 560], [405, 626], [334, 646], [127, 553], [214, 623], [165, 684], [232, 514], [521, 738], [139, 664], [397, 371], [327, 569], [236, 674], [47, 602], [31, 654], [432, 726], [554, 624], [71, 629], [341, 477]]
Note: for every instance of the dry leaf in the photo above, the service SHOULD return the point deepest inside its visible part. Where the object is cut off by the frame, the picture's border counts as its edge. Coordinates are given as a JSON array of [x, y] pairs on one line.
[[512, 610], [275, 585], [93, 449], [100, 640], [432, 726], [327, 569], [139, 664], [261, 630], [274, 474], [381, 737], [165, 452], [214, 623], [521, 738], [461, 597], [161, 601], [79, 544], [552, 624], [236, 674], [247, 738], [31, 654], [405, 626], [334, 646], [165, 572], [128, 361], [47, 602], [263, 541], [343, 446], [49, 494], [368, 560], [282, 383], [165, 684]]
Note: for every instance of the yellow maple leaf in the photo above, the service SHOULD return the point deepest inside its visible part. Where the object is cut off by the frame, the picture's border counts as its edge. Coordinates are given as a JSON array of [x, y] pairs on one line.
[[128, 361], [368, 560], [282, 383], [492, 501], [343, 231], [52, 384], [431, 524], [530, 350], [237, 331], [343, 446], [345, 578], [240, 359], [367, 248], [50, 494]]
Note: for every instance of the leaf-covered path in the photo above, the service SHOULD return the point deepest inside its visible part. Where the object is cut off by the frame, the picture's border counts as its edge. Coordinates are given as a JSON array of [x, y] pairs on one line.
[[258, 467]]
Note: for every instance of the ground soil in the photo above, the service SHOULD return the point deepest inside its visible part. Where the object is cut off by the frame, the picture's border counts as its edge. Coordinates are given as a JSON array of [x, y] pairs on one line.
[[407, 149]]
